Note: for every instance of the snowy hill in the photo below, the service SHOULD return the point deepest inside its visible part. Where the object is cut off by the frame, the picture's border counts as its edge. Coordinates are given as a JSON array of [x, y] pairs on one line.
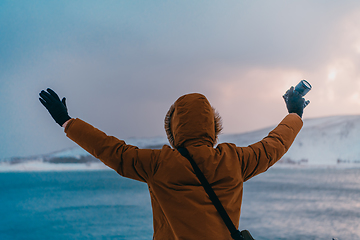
[[321, 141], [333, 141]]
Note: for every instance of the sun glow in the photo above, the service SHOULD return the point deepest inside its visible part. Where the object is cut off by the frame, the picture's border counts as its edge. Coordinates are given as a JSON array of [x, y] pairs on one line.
[[332, 74]]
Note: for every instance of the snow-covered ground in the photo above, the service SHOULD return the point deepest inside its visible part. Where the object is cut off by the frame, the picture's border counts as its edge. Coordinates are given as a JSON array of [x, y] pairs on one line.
[[329, 141], [322, 141]]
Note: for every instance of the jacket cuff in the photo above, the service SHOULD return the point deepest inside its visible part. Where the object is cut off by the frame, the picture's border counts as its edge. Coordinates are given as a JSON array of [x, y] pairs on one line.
[[68, 124]]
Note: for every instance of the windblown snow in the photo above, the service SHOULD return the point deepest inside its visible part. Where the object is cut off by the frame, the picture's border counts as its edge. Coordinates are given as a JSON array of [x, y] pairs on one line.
[[327, 141]]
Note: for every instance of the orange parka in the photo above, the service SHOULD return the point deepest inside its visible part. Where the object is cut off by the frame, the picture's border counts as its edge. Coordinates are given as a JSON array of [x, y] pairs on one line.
[[181, 208]]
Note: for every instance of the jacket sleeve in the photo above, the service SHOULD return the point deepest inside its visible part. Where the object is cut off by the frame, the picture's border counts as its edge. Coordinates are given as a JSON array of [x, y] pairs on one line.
[[127, 160], [258, 157]]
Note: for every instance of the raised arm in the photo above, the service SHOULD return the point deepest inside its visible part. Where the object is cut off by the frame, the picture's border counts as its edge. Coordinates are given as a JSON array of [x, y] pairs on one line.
[[258, 157], [127, 160]]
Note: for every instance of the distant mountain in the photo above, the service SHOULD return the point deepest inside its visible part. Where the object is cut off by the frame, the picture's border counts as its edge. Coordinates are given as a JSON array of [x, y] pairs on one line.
[[322, 141]]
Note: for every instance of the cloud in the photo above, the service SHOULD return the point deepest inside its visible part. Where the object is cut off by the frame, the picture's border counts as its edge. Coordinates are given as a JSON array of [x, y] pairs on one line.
[[122, 64]]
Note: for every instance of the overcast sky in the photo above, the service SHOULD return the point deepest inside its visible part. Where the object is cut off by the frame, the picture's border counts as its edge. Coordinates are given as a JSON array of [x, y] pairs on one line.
[[121, 64]]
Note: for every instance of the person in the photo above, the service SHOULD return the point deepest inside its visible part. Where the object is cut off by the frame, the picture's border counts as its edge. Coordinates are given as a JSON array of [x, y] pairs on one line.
[[181, 208]]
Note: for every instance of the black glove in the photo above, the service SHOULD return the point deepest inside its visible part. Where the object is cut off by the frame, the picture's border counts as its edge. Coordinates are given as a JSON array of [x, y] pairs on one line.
[[56, 108], [295, 103]]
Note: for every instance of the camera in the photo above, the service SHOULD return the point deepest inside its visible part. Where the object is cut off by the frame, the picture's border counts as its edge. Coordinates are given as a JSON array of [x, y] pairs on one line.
[[303, 87]]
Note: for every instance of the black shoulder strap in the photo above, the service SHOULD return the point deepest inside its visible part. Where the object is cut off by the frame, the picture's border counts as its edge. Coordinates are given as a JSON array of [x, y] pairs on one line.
[[235, 234]]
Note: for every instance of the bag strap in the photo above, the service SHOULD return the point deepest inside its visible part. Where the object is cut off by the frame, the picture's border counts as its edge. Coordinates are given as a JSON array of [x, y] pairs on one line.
[[235, 233]]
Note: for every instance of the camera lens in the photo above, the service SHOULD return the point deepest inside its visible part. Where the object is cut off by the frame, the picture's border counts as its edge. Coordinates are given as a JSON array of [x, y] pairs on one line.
[[306, 83], [303, 87]]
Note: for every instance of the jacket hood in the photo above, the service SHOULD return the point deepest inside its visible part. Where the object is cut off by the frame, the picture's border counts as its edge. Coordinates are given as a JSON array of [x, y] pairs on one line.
[[191, 117]]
